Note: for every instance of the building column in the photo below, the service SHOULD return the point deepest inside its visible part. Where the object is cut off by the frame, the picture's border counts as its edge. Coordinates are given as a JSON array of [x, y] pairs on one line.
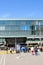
[[15, 43]]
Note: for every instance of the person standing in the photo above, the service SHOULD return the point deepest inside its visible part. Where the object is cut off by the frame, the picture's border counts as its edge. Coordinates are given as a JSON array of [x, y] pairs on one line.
[[32, 50], [36, 51]]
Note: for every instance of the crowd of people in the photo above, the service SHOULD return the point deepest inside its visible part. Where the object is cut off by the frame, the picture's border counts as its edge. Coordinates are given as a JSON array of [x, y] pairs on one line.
[[34, 50]]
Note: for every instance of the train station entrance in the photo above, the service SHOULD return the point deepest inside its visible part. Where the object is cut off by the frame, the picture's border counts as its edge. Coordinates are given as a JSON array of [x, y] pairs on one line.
[[12, 42]]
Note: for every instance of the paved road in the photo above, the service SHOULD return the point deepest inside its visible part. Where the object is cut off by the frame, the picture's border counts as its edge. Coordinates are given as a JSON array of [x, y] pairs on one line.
[[21, 59]]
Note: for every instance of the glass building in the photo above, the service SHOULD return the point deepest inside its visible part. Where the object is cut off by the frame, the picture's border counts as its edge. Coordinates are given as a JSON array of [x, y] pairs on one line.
[[21, 31]]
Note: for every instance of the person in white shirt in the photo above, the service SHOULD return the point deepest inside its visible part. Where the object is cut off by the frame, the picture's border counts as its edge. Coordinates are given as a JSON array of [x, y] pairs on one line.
[[32, 50]]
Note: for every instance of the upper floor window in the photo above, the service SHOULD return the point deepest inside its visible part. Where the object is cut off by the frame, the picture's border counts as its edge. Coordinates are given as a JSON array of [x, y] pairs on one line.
[[2, 27]]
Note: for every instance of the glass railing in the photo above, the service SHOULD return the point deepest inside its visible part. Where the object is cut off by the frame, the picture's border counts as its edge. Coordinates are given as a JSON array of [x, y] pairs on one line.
[[14, 33], [19, 33]]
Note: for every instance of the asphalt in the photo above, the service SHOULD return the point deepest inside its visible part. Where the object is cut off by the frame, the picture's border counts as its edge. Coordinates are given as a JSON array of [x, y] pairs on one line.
[[21, 59]]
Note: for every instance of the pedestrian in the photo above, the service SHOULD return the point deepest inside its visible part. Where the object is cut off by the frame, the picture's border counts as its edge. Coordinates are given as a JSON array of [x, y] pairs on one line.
[[36, 50], [32, 50], [10, 50]]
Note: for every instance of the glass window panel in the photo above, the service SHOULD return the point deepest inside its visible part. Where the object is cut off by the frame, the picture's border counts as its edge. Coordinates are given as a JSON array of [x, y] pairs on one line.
[[14, 22], [2, 27], [24, 28]]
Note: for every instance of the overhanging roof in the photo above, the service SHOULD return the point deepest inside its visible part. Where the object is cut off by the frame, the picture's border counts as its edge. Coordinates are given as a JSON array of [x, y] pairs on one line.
[[20, 19]]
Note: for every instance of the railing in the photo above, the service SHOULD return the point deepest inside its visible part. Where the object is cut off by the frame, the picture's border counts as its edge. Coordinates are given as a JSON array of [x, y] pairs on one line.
[[15, 33], [25, 33]]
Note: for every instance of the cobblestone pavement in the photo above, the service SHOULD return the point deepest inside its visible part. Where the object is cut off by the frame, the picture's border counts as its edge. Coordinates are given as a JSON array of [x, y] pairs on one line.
[[21, 59]]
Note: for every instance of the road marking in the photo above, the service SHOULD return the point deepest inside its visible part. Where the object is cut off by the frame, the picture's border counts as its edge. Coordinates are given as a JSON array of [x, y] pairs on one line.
[[21, 56], [17, 57], [4, 59], [1, 59]]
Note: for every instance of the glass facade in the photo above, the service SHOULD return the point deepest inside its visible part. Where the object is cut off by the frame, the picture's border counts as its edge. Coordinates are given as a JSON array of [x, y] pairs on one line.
[[20, 28], [13, 30]]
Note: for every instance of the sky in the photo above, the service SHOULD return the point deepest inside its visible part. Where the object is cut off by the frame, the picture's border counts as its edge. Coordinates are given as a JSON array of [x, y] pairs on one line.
[[21, 9]]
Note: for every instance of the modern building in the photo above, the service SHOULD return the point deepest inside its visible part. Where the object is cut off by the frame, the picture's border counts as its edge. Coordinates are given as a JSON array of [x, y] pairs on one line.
[[14, 32]]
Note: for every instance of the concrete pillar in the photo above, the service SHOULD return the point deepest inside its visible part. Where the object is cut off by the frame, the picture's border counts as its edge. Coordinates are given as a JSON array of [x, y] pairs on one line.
[[15, 43]]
